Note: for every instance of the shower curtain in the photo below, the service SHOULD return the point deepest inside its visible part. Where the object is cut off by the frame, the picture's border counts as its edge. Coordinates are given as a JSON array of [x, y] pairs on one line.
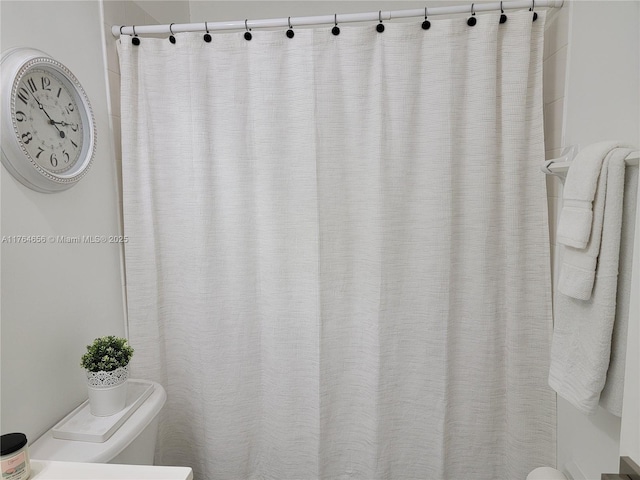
[[338, 260]]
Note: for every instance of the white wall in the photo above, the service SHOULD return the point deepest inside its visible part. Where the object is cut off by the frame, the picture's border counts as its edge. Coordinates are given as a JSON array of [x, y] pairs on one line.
[[57, 298], [630, 429], [599, 101], [257, 9]]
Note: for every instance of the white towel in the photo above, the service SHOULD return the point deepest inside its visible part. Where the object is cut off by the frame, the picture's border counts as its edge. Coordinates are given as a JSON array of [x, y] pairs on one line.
[[611, 396], [581, 220], [574, 226], [581, 345], [578, 266]]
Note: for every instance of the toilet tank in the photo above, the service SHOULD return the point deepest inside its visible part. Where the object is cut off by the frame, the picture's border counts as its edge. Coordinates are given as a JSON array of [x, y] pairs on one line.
[[132, 443], [141, 450]]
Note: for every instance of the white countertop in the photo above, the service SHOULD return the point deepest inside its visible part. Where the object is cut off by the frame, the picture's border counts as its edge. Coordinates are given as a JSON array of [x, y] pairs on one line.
[[47, 470]]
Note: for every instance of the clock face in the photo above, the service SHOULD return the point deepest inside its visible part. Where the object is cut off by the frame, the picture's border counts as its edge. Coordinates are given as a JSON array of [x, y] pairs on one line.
[[48, 119], [48, 130]]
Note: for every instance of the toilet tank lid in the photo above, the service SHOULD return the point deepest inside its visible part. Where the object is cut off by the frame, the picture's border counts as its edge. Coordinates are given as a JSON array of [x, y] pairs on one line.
[[47, 447]]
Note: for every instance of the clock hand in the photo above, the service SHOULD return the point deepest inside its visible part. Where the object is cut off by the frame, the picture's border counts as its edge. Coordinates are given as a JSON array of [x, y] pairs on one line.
[[51, 121], [41, 106]]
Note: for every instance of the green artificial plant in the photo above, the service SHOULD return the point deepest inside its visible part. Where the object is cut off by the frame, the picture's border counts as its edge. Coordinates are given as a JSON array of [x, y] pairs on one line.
[[107, 354]]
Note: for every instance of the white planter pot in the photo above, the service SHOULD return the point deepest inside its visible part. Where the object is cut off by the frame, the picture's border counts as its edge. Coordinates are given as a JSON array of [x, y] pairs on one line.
[[107, 391]]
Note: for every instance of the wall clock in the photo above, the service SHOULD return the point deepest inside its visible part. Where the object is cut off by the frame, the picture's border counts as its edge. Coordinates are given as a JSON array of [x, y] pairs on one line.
[[48, 128]]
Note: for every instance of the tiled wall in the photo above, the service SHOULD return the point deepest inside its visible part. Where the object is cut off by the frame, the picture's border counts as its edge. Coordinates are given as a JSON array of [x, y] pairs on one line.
[[601, 103], [556, 44]]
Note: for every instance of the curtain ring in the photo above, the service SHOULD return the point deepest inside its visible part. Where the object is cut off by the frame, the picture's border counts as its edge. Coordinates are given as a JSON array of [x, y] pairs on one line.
[[135, 40], [503, 17], [471, 21], [247, 34], [172, 39], [335, 30], [426, 24], [290, 33], [380, 26], [207, 37], [532, 9]]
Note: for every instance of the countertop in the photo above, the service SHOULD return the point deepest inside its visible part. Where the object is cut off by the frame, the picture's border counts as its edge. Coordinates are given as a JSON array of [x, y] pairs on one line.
[[48, 470]]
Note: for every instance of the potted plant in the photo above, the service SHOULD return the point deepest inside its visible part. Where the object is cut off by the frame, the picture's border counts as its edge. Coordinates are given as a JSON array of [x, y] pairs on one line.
[[107, 364]]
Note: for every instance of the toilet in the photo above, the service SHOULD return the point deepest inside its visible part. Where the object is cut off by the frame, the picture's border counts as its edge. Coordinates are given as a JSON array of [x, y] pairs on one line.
[[128, 437]]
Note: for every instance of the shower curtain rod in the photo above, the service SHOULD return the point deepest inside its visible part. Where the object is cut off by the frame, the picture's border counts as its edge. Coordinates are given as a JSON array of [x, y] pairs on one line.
[[118, 30]]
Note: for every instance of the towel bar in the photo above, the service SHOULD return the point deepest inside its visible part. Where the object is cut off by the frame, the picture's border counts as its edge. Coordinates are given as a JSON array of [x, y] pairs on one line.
[[559, 166]]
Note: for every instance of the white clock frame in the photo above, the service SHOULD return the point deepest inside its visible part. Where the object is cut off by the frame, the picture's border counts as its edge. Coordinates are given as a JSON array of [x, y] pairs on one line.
[[15, 63]]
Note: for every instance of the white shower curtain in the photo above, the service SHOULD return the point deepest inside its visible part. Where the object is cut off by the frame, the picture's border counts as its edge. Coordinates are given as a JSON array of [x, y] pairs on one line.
[[338, 258]]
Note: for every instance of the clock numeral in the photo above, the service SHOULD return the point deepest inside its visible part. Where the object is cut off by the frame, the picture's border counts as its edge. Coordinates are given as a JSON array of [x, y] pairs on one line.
[[40, 152], [73, 143], [20, 116], [32, 85], [74, 127], [69, 107], [59, 92], [26, 138], [66, 156], [23, 94], [46, 84], [53, 160]]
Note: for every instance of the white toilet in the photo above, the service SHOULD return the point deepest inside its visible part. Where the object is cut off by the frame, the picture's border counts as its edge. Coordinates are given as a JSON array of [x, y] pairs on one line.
[[127, 438]]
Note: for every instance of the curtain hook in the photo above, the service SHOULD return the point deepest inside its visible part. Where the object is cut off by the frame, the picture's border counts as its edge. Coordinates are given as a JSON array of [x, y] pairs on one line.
[[335, 30], [247, 34], [172, 39], [503, 17], [426, 24], [290, 33], [533, 7], [207, 37], [471, 21], [135, 40], [380, 26]]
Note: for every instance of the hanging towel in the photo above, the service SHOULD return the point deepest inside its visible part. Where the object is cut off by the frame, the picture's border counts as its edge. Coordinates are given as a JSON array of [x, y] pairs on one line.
[[581, 219], [581, 344], [575, 224], [611, 396]]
